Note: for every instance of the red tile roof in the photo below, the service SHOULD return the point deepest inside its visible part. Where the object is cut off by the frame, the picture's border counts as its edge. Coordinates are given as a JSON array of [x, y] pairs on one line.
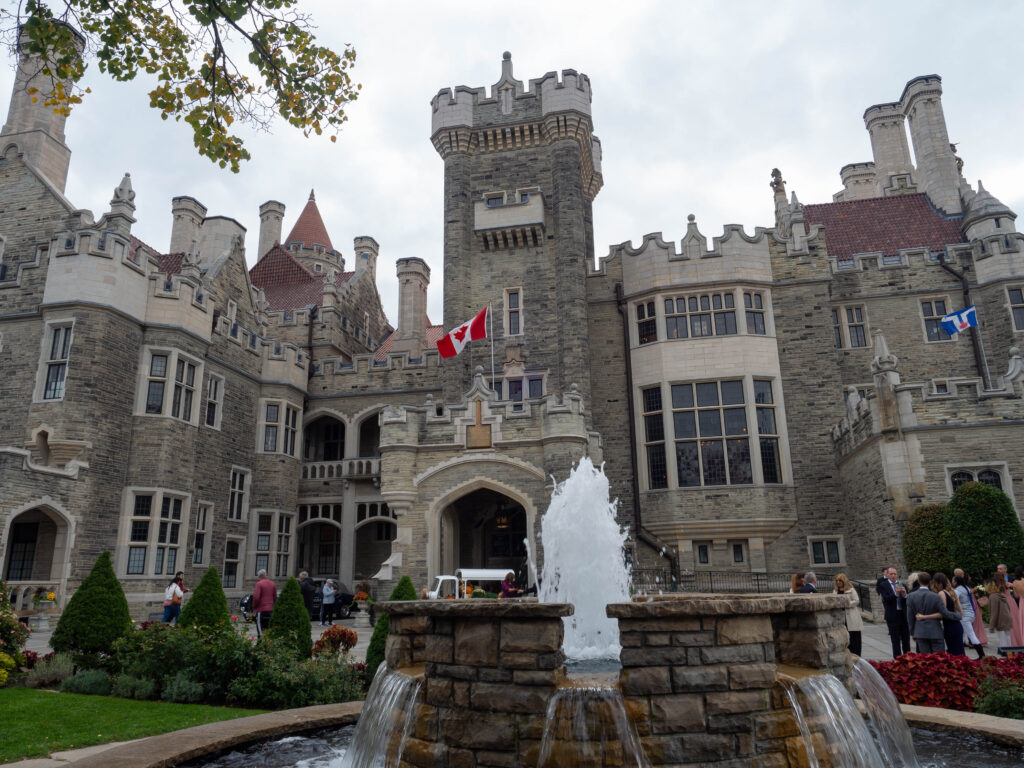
[[287, 284], [170, 263], [883, 224], [309, 229], [434, 334]]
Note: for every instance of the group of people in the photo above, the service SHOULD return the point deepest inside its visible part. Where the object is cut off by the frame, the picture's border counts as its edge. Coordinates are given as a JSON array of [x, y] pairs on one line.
[[944, 615], [264, 595], [807, 583]]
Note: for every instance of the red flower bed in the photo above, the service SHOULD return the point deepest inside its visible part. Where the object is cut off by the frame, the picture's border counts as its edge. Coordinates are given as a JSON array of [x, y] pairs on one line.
[[942, 680]]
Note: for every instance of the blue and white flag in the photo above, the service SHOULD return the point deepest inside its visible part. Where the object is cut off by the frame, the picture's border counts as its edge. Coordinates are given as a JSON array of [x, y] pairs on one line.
[[955, 322]]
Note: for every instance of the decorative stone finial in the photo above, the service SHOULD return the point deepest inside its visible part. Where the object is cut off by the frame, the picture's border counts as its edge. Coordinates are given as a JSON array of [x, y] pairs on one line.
[[691, 218], [506, 56], [312, 196], [124, 191], [778, 183], [884, 359]]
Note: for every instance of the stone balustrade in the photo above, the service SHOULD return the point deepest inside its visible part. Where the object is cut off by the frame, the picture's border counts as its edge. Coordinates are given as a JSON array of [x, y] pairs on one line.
[[341, 469]]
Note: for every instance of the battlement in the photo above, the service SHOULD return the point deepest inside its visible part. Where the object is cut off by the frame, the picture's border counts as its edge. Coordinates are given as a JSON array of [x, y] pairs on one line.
[[563, 91]]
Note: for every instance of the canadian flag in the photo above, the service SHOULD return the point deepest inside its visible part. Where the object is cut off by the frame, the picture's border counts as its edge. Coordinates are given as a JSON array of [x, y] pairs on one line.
[[455, 340]]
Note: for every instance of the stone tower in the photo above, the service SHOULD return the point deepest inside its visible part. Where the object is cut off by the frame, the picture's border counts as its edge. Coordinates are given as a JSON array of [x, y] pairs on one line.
[[521, 170]]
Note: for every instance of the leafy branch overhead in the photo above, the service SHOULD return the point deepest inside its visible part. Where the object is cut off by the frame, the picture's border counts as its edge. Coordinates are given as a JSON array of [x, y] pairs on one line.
[[216, 62]]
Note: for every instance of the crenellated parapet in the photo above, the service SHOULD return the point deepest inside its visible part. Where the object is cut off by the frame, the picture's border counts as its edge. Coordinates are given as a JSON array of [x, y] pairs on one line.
[[512, 116]]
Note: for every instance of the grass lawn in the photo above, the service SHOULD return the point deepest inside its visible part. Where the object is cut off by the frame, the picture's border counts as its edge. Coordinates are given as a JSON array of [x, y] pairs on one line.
[[35, 723]]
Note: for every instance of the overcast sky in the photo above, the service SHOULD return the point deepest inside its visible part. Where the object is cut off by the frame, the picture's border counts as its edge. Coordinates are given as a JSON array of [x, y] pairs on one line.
[[694, 104]]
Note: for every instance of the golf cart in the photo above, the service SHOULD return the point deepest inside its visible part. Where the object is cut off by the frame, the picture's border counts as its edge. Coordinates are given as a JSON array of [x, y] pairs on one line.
[[454, 587]]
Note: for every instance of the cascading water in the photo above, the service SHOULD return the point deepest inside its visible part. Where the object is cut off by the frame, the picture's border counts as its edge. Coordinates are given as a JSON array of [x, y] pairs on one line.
[[584, 725], [890, 727], [583, 561], [386, 720], [824, 705]]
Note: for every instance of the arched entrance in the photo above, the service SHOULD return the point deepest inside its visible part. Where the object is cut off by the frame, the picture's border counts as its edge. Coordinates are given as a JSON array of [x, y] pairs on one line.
[[376, 526], [36, 554], [484, 529], [325, 439]]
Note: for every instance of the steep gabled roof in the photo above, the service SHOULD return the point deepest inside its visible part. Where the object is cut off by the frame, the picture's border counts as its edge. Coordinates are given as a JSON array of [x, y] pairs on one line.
[[434, 334], [309, 229], [287, 284], [883, 224]]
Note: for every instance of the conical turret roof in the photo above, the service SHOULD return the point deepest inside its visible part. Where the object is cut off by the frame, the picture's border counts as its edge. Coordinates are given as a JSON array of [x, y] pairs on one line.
[[309, 229]]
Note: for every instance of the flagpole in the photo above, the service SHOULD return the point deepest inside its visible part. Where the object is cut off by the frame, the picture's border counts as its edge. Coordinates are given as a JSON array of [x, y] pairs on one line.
[[490, 333], [976, 330]]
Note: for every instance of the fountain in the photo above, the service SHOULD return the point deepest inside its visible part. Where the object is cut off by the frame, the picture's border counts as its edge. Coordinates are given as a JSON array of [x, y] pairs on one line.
[[890, 728], [386, 721], [584, 725], [823, 705], [587, 570]]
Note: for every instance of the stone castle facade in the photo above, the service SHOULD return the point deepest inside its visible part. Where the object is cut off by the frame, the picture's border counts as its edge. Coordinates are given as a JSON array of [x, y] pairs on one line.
[[768, 402]]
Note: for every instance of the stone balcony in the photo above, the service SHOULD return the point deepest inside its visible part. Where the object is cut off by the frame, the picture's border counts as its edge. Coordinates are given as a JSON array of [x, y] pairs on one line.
[[317, 473]]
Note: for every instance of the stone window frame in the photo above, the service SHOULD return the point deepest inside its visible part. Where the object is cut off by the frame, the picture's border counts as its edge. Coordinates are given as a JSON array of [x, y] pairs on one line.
[[237, 561], [1015, 308], [280, 545], [232, 315], [651, 443], [841, 323], [693, 306], [238, 498], [698, 563], [152, 544], [173, 355], [645, 314], [825, 540], [921, 300], [1002, 468], [50, 328], [217, 401], [516, 290], [203, 521], [287, 428]]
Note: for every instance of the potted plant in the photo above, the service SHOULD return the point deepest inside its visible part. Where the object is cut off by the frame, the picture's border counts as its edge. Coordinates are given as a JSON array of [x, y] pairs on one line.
[[43, 601]]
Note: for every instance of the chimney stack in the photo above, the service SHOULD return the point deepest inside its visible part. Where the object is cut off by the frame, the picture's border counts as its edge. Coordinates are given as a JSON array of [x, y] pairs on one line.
[[413, 279], [271, 217], [366, 249], [188, 216], [937, 174], [37, 130]]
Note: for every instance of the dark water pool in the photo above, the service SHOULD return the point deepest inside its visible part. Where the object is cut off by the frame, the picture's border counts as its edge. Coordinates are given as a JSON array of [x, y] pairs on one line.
[[325, 748]]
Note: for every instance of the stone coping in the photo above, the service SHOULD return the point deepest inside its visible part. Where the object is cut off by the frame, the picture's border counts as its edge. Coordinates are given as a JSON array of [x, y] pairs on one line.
[[478, 608], [177, 747], [697, 604], [1001, 730]]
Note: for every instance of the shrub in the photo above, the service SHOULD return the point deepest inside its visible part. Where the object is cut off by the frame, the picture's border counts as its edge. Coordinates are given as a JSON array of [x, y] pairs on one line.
[[6, 665], [94, 682], [208, 607], [334, 639], [181, 689], [129, 687], [1001, 697], [983, 529], [289, 622], [29, 659], [404, 590], [943, 680], [94, 618], [283, 681], [926, 540], [13, 633], [51, 669]]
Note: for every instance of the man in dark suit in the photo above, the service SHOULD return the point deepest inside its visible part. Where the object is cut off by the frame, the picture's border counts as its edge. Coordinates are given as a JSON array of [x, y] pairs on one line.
[[810, 583], [894, 600], [927, 632]]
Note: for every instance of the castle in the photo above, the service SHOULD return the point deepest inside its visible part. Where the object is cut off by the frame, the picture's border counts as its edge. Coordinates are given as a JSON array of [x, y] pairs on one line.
[[764, 402]]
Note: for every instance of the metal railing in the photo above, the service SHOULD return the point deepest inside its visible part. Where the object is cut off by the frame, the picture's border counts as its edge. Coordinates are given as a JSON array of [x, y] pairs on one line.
[[656, 580]]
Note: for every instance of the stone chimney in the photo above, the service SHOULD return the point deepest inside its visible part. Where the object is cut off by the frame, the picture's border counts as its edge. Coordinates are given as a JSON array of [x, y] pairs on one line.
[[366, 249], [413, 279], [36, 129], [937, 173], [885, 124], [271, 216], [188, 219]]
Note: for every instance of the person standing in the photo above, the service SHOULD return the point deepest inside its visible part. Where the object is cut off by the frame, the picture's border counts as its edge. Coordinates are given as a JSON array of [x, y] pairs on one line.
[[854, 623], [327, 604], [970, 610], [810, 584], [263, 598], [894, 601], [174, 595], [308, 587], [1015, 599], [796, 583], [925, 603], [952, 629], [1000, 615], [1002, 573]]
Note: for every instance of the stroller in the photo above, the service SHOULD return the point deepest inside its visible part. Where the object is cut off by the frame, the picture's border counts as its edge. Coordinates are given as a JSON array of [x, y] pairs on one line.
[[245, 608]]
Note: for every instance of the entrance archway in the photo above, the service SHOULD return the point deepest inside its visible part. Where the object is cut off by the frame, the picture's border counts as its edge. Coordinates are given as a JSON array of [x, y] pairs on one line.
[[484, 529], [36, 554]]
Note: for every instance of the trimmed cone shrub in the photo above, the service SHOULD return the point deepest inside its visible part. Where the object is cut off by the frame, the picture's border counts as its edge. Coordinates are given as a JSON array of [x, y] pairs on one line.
[[208, 607], [289, 622], [983, 529], [95, 616], [925, 540], [404, 590]]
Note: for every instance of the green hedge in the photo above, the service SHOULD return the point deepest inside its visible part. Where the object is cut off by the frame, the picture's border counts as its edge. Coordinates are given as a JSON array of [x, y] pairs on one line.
[[289, 623], [925, 540], [983, 529], [208, 607], [404, 590], [95, 617]]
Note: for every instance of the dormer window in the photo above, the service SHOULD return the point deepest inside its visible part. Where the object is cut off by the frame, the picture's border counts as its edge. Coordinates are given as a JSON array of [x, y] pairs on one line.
[[495, 201], [318, 267]]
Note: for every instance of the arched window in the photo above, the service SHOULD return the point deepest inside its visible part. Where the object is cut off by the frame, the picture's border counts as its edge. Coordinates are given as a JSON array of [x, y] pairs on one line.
[[990, 477], [959, 478]]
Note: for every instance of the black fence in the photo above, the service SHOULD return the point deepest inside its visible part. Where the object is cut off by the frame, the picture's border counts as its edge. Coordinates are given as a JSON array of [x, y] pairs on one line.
[[653, 581]]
